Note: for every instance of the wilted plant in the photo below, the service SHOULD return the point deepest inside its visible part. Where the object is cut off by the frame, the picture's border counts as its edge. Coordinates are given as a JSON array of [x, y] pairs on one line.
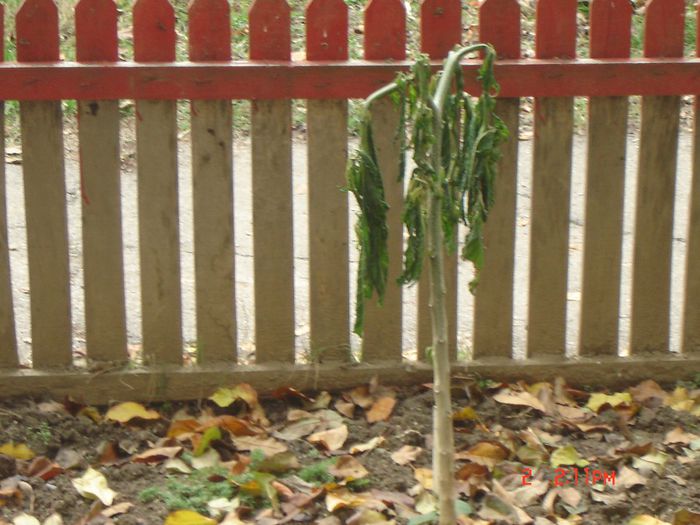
[[454, 139]]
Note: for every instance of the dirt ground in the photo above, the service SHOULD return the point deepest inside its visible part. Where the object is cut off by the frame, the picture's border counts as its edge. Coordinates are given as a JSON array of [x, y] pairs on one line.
[[494, 423]]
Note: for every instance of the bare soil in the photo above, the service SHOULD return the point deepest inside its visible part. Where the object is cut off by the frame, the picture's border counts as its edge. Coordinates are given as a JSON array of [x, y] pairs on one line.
[[47, 432]]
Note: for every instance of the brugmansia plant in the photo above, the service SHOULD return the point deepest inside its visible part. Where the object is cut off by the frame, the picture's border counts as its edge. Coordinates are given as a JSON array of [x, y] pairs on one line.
[[454, 139]]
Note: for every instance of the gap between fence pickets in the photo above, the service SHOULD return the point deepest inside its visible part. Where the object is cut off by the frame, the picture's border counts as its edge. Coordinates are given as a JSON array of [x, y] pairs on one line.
[[175, 383]]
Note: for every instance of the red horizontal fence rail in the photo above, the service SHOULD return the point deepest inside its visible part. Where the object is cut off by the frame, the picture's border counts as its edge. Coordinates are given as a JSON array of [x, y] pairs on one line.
[[322, 80]]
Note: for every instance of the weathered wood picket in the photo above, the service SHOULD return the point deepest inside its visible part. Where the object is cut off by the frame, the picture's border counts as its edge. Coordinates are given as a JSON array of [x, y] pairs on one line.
[[326, 79]]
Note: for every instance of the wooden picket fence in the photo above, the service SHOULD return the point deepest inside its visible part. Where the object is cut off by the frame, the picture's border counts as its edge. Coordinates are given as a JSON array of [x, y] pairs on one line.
[[327, 79]]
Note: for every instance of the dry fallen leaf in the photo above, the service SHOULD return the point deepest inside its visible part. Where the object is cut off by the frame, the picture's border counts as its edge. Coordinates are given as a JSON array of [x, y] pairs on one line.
[[157, 455], [488, 453], [679, 400], [268, 446], [508, 397], [44, 468], [188, 517], [54, 519], [369, 445], [686, 517], [25, 519], [655, 461], [332, 439], [348, 468], [181, 427], [465, 414], [424, 476], [679, 436], [567, 455], [235, 425], [381, 409], [627, 478], [177, 465], [115, 510], [345, 408], [406, 454], [18, 451], [648, 393], [645, 519], [361, 397], [93, 485], [343, 498], [125, 412], [225, 397], [598, 400], [210, 458]]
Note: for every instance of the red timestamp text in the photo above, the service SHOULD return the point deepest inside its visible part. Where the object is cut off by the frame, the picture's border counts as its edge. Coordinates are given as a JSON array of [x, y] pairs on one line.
[[573, 476]]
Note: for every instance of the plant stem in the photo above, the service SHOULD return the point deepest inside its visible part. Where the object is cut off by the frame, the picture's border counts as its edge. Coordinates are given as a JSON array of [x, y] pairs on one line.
[[443, 451]]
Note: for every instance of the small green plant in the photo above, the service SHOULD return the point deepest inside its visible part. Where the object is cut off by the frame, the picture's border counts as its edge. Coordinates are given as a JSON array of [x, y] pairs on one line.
[[193, 491], [42, 433], [359, 485], [317, 473]]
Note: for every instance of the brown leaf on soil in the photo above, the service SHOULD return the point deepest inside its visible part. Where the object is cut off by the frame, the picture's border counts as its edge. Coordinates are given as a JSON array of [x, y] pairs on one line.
[[627, 478], [343, 498], [679, 436], [69, 459], [381, 409], [181, 427], [322, 401], [269, 446], [345, 408], [51, 407], [472, 472], [125, 412], [508, 397], [607, 498], [17, 451], [406, 454], [235, 425], [680, 400], [157, 455], [686, 517], [392, 498], [465, 414], [42, 467], [115, 510], [109, 453], [280, 463], [288, 391], [488, 453], [10, 493], [593, 427], [332, 439], [648, 393], [296, 414], [348, 468], [636, 449], [369, 445], [361, 397], [424, 476]]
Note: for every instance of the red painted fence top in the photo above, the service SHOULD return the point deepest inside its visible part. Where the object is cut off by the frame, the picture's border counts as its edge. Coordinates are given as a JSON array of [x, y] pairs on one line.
[[327, 73]]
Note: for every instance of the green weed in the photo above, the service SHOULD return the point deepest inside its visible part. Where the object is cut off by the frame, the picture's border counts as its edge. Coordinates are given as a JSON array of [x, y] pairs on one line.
[[317, 473], [41, 433], [193, 491]]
